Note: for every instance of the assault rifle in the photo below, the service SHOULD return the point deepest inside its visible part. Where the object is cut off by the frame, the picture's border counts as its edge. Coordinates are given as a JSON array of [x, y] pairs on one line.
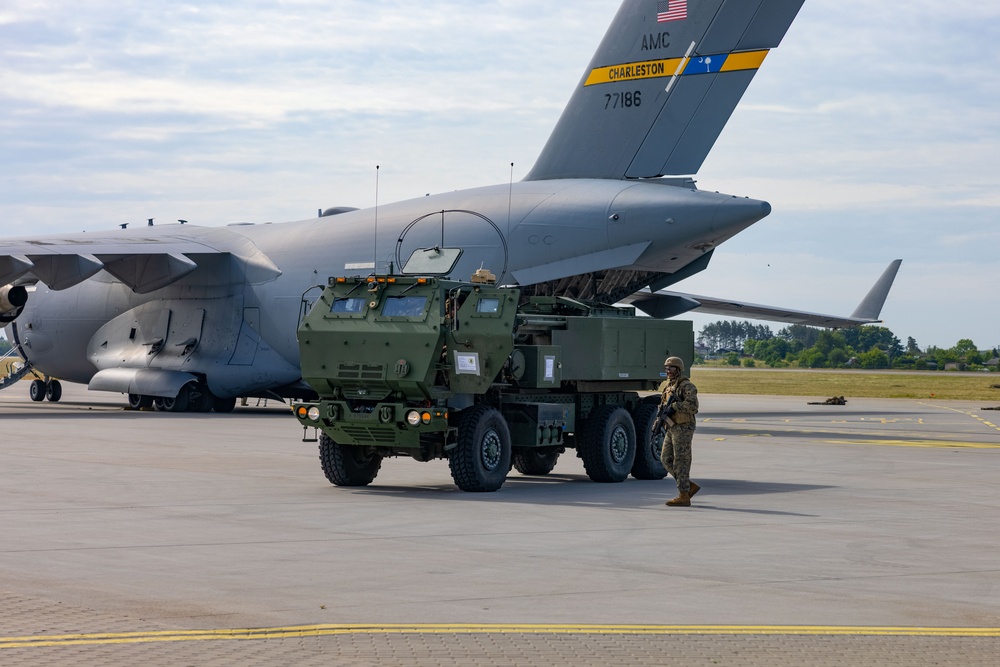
[[663, 419]]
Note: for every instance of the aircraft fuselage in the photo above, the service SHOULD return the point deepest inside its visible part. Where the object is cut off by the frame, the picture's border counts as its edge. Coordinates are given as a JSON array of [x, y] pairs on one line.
[[232, 321]]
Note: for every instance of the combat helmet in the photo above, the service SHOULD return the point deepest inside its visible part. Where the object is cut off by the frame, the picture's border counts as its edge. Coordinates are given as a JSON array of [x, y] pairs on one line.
[[675, 361]]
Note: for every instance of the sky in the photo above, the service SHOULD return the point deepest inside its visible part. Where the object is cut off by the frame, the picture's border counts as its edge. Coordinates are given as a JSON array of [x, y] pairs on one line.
[[873, 130]]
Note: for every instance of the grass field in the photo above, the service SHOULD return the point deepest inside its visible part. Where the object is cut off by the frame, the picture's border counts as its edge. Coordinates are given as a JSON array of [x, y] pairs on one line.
[[826, 384]]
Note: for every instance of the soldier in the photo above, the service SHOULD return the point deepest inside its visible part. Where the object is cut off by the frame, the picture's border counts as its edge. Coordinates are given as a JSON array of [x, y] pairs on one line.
[[677, 423]]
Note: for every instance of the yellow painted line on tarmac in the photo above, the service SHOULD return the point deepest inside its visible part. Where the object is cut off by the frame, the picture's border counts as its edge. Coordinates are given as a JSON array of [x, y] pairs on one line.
[[106, 638], [970, 413], [936, 444]]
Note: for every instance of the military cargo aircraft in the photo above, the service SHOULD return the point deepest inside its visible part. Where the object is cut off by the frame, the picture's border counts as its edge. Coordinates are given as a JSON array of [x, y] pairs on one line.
[[189, 318]]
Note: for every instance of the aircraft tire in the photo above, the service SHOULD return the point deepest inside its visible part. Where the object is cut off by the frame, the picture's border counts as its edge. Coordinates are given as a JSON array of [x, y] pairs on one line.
[[139, 401], [36, 390], [607, 444], [482, 458], [347, 465], [53, 391], [178, 403], [647, 446], [201, 398], [224, 404], [530, 461]]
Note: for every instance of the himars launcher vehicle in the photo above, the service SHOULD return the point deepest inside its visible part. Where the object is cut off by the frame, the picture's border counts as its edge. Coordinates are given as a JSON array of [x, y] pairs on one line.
[[421, 366]]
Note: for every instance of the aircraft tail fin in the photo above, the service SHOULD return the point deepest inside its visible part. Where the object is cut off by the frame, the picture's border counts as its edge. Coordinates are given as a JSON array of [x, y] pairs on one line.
[[871, 306], [661, 87]]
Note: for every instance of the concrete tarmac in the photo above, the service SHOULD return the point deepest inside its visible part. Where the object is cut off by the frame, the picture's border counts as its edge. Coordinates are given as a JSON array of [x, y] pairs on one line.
[[864, 533]]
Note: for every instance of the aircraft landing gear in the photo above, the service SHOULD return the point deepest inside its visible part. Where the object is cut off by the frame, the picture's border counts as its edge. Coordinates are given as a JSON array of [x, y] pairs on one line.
[[39, 390], [193, 397], [139, 402], [179, 403], [53, 391]]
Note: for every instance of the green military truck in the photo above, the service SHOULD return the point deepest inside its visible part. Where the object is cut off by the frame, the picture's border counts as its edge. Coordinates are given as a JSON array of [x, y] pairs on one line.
[[472, 373]]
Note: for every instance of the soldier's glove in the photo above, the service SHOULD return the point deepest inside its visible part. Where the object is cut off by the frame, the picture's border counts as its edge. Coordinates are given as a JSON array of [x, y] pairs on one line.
[[670, 411]]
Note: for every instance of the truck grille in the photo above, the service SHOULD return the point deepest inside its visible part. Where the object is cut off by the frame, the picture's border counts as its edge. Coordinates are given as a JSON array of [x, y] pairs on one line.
[[369, 435], [361, 371]]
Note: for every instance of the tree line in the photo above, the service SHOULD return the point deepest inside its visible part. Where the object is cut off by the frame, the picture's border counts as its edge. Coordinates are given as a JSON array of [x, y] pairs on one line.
[[868, 346]]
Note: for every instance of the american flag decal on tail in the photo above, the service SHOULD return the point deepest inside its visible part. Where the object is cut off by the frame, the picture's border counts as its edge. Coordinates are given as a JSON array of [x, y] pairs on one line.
[[671, 10]]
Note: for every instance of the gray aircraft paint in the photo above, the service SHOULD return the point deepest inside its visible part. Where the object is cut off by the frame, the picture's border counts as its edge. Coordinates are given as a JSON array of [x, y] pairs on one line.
[[148, 310]]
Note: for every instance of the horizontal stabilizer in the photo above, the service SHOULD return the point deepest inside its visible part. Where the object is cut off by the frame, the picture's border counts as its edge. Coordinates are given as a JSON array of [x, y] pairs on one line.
[[671, 304]]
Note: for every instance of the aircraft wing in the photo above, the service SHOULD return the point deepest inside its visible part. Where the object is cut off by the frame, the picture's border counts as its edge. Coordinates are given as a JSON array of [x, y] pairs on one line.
[[670, 304], [145, 260]]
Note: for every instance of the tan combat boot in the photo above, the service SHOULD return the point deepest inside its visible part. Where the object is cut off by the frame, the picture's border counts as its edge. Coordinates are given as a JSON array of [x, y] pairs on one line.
[[694, 488], [682, 500]]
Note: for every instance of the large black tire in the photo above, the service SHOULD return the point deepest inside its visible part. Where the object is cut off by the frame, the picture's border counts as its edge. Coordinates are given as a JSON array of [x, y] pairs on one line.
[[36, 390], [347, 465], [607, 444], [530, 461], [200, 398], [53, 391], [482, 458], [224, 404], [178, 403], [647, 446], [139, 401]]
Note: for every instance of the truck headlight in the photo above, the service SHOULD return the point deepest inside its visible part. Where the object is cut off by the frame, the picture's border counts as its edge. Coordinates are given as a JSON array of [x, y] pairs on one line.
[[313, 413], [413, 418]]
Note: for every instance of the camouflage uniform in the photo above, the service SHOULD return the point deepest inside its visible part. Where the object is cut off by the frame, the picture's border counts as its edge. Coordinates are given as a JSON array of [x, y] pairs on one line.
[[676, 452]]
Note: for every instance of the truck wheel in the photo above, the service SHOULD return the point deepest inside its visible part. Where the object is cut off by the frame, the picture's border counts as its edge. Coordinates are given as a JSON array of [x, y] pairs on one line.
[[481, 460], [533, 462], [37, 390], [607, 444], [347, 465], [647, 447]]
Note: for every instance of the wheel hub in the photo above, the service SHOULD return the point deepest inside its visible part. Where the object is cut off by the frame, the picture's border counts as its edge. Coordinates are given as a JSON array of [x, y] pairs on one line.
[[619, 444], [491, 450]]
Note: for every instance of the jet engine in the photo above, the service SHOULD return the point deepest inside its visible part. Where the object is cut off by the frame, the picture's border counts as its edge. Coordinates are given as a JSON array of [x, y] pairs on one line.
[[12, 300]]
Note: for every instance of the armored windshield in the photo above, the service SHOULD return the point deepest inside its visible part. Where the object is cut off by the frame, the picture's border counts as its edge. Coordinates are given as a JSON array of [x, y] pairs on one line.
[[404, 306], [351, 305]]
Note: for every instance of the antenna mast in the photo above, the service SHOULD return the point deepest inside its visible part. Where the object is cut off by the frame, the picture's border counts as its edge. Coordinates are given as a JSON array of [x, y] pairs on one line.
[[375, 245]]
